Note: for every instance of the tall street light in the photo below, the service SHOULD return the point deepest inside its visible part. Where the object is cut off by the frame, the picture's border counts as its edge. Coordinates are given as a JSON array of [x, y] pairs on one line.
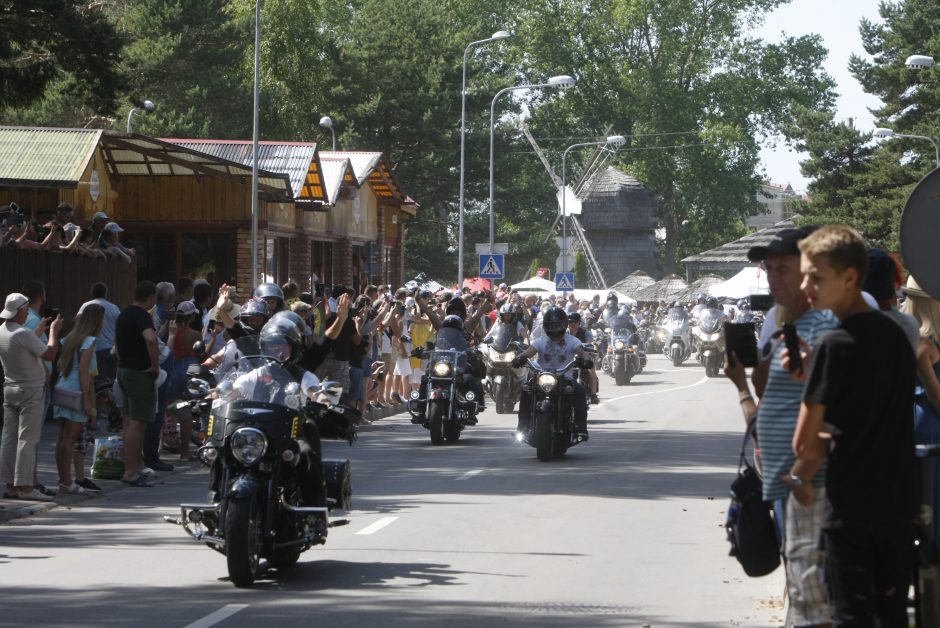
[[148, 106], [889, 133], [254, 150], [557, 82], [498, 35], [327, 123], [616, 140]]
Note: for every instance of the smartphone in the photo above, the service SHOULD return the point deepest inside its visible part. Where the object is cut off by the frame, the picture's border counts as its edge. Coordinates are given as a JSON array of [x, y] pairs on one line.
[[400, 309], [792, 343], [50, 312], [211, 326], [760, 302], [742, 340]]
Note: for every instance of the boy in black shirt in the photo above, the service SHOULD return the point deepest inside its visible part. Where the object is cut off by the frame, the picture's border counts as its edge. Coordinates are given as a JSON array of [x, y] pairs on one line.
[[857, 405]]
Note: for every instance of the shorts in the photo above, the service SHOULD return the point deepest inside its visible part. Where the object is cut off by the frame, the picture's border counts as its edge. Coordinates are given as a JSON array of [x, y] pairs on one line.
[[403, 367], [389, 362], [140, 394], [418, 372], [805, 564]]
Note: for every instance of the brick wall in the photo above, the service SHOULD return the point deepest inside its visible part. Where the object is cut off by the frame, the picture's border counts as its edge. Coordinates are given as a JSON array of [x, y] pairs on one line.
[[243, 259], [299, 256], [342, 262], [380, 239]]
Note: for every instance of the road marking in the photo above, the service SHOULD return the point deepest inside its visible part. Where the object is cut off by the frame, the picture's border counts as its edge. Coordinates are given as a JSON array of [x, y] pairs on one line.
[[470, 474], [654, 392], [218, 616], [378, 525]]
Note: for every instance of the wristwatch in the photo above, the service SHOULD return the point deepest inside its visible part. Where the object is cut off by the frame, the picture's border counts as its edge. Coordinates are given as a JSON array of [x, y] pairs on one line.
[[795, 481]]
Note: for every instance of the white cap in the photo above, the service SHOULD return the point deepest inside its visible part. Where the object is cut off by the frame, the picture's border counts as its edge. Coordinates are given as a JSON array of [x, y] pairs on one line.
[[13, 304]]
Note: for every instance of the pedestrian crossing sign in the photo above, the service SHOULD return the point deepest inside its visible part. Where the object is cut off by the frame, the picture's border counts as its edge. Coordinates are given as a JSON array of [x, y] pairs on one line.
[[492, 267], [564, 282]]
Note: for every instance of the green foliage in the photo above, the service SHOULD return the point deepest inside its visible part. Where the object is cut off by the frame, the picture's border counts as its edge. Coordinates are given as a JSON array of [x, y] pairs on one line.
[[580, 270]]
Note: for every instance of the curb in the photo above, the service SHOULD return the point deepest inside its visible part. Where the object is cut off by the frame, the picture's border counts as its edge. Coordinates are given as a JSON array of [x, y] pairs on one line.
[[387, 411]]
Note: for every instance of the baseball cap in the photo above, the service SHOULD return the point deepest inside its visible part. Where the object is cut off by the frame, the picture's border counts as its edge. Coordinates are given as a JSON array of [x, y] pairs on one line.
[[13, 304], [879, 281], [100, 216], [784, 242], [185, 308], [113, 227]]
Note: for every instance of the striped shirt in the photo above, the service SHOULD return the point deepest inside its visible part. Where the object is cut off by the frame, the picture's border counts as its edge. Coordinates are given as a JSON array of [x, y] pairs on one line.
[[780, 408]]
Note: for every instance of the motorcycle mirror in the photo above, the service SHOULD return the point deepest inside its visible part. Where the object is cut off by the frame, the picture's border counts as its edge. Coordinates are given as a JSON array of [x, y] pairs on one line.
[[199, 349]]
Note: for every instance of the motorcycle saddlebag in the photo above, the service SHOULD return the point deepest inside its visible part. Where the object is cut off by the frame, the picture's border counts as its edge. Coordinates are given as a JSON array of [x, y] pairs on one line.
[[338, 477]]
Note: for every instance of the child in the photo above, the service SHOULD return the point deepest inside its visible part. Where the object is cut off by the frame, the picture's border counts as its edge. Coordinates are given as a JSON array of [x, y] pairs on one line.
[[858, 395]]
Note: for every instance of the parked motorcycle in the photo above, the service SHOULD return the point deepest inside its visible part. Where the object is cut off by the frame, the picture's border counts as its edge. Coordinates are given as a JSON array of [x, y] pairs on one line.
[[193, 406], [552, 429], [503, 382], [710, 341], [442, 404], [622, 355], [678, 332], [255, 447]]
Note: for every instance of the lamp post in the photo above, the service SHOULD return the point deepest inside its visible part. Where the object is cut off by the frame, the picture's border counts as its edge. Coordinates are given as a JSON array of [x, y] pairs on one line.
[[557, 82], [889, 133], [254, 150], [327, 123], [498, 35], [148, 107], [616, 140]]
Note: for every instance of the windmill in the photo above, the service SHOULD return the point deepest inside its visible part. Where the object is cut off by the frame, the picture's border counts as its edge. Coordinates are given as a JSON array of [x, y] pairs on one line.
[[595, 161]]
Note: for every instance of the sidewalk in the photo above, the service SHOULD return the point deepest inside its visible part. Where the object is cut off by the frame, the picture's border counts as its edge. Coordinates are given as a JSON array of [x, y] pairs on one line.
[[48, 475]]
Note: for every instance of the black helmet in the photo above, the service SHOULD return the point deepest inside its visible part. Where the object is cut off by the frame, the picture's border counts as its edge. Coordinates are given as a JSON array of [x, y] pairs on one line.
[[555, 322], [452, 321], [574, 317], [744, 304], [280, 339], [295, 319], [457, 307], [701, 298], [271, 291], [711, 303], [254, 314]]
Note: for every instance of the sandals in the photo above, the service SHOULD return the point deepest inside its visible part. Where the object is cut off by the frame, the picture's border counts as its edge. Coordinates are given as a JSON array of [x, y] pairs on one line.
[[140, 482]]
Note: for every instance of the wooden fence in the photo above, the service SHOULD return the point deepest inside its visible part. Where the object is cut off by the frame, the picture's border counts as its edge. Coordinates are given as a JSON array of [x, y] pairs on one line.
[[68, 278]]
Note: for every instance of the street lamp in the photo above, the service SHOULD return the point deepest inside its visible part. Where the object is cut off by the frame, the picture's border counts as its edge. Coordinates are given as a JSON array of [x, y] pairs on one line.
[[148, 107], [327, 123], [616, 140], [254, 149], [498, 35], [557, 82], [889, 133], [919, 62]]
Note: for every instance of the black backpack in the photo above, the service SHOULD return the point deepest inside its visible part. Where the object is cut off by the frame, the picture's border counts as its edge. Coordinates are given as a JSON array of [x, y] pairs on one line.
[[750, 524]]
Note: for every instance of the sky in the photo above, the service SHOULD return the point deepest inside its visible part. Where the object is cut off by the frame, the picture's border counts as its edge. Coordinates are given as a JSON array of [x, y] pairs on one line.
[[837, 22]]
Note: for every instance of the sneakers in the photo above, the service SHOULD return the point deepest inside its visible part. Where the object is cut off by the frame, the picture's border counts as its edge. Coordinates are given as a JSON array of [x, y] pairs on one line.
[[147, 471], [71, 489], [49, 492], [88, 485], [33, 496], [159, 465]]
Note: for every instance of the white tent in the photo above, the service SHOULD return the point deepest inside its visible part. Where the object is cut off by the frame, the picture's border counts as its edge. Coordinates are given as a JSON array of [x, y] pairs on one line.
[[535, 284], [750, 280], [588, 294]]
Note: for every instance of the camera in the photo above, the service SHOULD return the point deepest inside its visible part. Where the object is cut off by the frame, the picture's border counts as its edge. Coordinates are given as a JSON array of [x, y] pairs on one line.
[[50, 312], [760, 302]]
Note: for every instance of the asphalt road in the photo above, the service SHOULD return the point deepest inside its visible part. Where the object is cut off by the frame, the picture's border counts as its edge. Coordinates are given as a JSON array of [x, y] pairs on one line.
[[625, 530]]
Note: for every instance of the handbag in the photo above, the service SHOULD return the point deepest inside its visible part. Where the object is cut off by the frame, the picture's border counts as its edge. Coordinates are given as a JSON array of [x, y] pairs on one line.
[[67, 398], [749, 524]]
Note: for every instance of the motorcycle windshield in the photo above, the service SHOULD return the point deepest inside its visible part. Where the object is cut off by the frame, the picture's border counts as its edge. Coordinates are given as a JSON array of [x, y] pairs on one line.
[[676, 319], [252, 377], [710, 321], [450, 338], [622, 326], [502, 335]]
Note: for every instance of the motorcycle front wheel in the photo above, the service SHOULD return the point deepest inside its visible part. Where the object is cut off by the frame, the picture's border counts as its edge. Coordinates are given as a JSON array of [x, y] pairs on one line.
[[436, 421], [243, 540], [620, 377], [543, 437]]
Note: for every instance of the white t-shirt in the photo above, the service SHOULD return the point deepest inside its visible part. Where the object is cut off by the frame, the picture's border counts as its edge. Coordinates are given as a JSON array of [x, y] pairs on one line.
[[245, 384], [554, 355], [111, 313]]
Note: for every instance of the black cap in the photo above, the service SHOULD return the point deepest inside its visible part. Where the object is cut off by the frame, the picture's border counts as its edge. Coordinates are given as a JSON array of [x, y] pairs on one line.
[[783, 242], [879, 282]]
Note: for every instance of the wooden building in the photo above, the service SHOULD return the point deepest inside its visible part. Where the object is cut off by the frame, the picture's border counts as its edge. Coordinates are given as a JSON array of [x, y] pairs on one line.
[[730, 258]]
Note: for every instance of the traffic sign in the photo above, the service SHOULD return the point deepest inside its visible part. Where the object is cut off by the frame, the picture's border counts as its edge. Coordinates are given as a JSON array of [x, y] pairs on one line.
[[499, 248], [492, 267], [564, 282]]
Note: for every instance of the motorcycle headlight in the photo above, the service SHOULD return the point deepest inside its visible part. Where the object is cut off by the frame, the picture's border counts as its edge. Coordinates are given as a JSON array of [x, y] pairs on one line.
[[442, 369], [248, 445], [547, 382], [620, 345]]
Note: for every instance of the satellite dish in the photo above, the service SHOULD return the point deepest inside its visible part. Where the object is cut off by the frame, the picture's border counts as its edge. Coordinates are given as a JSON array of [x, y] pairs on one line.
[[920, 228]]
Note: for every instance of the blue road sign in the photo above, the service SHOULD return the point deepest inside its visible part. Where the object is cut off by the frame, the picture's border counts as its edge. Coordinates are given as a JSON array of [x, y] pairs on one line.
[[564, 282], [492, 267]]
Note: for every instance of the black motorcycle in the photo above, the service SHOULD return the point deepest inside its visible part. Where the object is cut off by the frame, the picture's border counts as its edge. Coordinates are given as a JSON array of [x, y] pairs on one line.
[[623, 358], [255, 446], [442, 404], [552, 429]]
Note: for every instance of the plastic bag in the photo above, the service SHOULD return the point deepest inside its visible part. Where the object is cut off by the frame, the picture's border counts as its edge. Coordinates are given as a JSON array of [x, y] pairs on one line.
[[109, 458]]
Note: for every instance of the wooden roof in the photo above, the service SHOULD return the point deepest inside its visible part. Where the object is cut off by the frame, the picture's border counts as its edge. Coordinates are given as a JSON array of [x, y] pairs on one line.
[[633, 282], [736, 252], [663, 290]]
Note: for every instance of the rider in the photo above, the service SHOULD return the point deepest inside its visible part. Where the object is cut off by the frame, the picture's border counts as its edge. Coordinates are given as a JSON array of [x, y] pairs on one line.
[[584, 336], [251, 319], [555, 349], [509, 316]]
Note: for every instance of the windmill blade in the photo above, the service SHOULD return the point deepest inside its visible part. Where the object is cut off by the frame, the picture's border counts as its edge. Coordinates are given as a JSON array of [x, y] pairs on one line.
[[596, 160], [538, 151]]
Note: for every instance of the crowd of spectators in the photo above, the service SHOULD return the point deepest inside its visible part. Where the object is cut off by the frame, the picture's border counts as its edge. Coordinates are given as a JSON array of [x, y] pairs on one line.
[[100, 239]]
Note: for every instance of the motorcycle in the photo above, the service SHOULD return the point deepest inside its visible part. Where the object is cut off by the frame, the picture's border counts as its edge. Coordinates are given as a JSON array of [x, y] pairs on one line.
[[192, 406], [652, 337], [678, 332], [552, 429], [440, 404], [255, 445], [503, 382], [622, 356], [710, 340]]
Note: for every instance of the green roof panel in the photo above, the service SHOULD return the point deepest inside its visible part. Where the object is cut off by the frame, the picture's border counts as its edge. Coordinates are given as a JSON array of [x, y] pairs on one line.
[[44, 156]]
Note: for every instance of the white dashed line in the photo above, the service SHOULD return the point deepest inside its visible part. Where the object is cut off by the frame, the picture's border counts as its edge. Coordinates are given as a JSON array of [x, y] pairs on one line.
[[378, 525], [470, 474], [218, 616]]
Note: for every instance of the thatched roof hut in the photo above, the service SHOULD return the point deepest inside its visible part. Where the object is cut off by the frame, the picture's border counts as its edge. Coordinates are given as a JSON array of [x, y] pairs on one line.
[[633, 282], [699, 286], [731, 257], [663, 290]]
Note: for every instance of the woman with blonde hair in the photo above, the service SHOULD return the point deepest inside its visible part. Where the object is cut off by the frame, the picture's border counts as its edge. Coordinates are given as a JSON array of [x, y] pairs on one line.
[[77, 366], [926, 310]]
